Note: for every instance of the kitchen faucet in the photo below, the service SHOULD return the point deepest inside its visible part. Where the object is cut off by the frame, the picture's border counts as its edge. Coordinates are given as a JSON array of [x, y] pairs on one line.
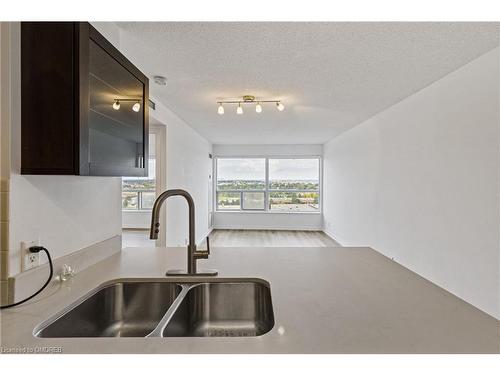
[[193, 254]]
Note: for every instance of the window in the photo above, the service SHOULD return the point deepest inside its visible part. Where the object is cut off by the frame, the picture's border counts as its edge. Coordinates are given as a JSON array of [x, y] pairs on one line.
[[294, 185], [253, 200], [241, 184], [139, 193], [268, 184]]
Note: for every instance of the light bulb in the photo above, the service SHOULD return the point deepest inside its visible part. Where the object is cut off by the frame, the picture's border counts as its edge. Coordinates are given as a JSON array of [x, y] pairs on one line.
[[280, 106], [258, 108], [136, 107], [116, 105], [220, 109], [239, 110]]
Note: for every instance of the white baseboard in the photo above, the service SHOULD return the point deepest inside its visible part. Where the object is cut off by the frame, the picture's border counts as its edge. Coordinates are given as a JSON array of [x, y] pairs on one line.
[[333, 237], [344, 243], [247, 227]]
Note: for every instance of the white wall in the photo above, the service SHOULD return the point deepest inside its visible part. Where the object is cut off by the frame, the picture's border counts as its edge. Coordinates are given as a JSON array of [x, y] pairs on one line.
[[274, 221], [268, 150], [66, 213], [136, 219], [257, 220], [419, 183]]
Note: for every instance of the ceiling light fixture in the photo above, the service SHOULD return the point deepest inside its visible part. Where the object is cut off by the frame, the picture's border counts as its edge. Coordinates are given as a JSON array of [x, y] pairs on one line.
[[239, 110], [136, 107], [248, 99]]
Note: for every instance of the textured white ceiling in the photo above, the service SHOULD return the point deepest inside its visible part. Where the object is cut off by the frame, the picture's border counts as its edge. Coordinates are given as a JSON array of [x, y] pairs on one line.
[[330, 76]]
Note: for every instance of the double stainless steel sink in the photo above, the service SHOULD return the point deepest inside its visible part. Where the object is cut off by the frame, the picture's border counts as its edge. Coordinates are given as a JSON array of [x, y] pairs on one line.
[[167, 308]]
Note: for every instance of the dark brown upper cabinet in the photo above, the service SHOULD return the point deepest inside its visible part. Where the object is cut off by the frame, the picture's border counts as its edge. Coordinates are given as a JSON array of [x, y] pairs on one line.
[[70, 78]]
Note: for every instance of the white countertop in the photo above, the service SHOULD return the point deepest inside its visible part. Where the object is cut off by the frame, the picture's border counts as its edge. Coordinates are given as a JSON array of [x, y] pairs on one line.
[[325, 300]]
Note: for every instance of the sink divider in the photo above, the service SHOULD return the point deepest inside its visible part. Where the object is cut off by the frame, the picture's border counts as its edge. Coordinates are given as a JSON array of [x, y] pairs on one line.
[[160, 327]]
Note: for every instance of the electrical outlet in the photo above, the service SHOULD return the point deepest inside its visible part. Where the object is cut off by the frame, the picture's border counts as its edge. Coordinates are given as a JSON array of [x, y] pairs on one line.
[[30, 260]]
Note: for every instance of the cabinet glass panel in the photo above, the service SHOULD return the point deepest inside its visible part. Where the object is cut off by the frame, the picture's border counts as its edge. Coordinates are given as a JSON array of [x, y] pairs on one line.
[[116, 115]]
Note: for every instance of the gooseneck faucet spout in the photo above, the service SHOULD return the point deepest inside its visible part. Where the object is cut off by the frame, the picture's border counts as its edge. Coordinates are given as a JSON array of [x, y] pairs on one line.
[[193, 254], [155, 220]]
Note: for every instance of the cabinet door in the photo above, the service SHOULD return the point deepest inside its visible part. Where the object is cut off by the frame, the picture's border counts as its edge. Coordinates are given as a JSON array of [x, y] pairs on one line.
[[116, 129], [47, 101]]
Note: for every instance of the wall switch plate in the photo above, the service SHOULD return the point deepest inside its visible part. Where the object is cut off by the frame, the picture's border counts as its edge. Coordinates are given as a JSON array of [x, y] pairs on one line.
[[29, 260]]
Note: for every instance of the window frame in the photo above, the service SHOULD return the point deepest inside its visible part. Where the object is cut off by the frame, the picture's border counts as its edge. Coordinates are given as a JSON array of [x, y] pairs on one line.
[[267, 191], [140, 200], [157, 133]]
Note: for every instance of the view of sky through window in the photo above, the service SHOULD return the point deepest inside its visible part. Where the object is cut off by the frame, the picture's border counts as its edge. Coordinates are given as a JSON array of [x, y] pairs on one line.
[[293, 169], [241, 169]]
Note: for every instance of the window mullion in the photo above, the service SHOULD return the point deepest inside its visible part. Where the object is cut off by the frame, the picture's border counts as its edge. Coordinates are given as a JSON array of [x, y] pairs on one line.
[[266, 187]]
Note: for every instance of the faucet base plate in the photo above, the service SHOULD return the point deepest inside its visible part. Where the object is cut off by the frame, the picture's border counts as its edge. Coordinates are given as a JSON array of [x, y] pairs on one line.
[[207, 272]]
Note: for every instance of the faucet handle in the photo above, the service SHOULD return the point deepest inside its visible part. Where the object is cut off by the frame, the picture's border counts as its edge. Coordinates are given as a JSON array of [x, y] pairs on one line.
[[203, 254]]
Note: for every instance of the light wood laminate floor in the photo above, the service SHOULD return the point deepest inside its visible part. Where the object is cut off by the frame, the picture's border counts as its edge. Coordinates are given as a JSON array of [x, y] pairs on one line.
[[244, 238], [136, 238], [270, 238]]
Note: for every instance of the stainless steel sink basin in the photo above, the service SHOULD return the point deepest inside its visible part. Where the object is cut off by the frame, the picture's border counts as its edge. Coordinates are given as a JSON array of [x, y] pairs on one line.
[[122, 309], [167, 308], [223, 309]]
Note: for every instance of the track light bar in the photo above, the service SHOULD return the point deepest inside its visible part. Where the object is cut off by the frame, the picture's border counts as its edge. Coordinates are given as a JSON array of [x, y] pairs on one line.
[[136, 107], [248, 99]]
